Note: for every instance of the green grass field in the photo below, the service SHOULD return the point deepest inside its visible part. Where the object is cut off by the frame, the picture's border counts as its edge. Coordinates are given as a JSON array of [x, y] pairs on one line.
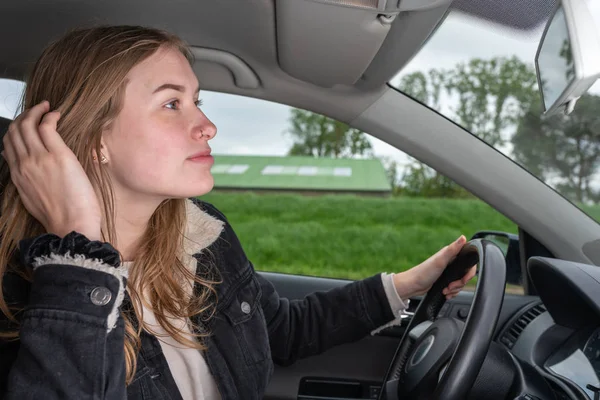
[[352, 237], [349, 236]]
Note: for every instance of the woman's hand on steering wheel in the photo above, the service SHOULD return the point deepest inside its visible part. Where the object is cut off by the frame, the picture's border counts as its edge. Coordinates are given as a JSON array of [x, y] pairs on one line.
[[419, 279]]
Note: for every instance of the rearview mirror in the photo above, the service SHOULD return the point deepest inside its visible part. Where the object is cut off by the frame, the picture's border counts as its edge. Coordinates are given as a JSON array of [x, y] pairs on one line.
[[509, 244], [568, 58]]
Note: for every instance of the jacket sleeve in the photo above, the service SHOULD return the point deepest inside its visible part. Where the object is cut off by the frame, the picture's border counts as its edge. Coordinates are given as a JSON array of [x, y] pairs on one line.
[[322, 320], [71, 336], [301, 328]]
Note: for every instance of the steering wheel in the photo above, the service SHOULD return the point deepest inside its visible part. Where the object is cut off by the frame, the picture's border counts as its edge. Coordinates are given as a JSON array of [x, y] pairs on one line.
[[439, 358]]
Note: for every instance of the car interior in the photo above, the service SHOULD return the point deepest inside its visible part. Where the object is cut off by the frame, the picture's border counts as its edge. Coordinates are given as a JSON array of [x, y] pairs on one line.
[[336, 58]]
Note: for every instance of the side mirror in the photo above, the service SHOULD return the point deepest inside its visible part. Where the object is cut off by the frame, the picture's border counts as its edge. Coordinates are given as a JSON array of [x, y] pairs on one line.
[[567, 62], [509, 244]]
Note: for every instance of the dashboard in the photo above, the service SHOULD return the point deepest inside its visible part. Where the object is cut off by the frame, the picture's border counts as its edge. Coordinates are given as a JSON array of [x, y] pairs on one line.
[[559, 336]]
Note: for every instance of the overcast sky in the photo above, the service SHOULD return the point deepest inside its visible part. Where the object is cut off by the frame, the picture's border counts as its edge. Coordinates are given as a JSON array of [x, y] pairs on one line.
[[250, 126]]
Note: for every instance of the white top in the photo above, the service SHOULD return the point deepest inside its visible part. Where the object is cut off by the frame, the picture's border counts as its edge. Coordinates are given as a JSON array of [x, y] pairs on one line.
[[187, 365]]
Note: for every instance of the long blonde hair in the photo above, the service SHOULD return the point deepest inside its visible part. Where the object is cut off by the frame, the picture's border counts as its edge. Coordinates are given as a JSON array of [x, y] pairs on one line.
[[83, 75]]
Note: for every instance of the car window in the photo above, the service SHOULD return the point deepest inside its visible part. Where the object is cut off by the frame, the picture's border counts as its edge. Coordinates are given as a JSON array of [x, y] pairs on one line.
[[482, 76], [10, 96], [309, 195]]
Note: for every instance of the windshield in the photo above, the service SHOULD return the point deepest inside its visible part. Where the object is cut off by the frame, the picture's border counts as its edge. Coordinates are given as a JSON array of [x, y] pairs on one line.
[[481, 75]]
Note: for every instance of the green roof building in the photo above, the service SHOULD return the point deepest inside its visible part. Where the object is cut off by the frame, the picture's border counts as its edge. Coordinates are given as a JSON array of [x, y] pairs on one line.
[[300, 174]]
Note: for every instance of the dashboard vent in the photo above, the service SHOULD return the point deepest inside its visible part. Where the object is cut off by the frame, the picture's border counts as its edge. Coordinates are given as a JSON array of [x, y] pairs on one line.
[[510, 335]]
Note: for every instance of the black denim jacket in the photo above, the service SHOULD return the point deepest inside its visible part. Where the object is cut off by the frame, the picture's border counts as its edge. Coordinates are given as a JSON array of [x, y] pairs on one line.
[[68, 349]]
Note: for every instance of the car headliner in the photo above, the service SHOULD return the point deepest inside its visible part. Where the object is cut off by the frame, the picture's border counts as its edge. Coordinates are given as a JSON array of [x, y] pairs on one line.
[[253, 30]]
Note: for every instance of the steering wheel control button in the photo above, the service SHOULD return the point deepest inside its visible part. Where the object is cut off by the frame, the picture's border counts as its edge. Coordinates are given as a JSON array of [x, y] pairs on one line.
[[246, 307], [374, 392], [463, 312], [509, 343], [100, 296]]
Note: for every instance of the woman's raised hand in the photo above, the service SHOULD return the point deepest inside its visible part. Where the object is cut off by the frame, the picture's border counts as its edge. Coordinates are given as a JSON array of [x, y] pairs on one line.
[[50, 180]]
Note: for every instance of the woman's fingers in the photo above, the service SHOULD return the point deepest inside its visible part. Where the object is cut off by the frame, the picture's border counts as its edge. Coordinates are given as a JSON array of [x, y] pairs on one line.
[[451, 293], [469, 275], [49, 136], [9, 154], [455, 285], [23, 134], [13, 136], [459, 284], [455, 290], [29, 128]]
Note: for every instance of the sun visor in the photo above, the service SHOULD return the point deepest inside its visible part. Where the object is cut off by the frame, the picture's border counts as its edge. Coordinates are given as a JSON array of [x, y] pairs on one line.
[[331, 42], [326, 43]]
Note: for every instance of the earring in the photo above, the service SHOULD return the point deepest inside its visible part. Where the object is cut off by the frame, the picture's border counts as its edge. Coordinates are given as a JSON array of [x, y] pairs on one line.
[[103, 159]]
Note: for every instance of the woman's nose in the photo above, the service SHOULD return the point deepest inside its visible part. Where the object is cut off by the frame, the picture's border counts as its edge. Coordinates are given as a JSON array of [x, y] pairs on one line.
[[205, 129]]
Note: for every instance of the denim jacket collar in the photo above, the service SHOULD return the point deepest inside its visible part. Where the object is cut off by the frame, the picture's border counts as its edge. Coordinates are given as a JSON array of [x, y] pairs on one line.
[[202, 229]]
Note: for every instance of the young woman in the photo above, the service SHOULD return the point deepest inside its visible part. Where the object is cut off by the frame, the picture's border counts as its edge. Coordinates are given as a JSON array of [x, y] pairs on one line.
[[115, 284]]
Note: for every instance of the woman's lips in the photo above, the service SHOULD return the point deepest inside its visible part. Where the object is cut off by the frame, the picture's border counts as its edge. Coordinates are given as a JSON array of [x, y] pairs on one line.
[[203, 156], [202, 159]]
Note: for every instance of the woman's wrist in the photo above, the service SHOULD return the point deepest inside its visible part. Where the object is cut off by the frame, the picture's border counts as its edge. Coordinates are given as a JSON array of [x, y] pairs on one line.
[[406, 285], [89, 230]]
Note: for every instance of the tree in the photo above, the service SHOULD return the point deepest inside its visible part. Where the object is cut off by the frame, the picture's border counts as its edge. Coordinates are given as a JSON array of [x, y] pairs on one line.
[[418, 179], [563, 150], [425, 87], [491, 96], [421, 181], [392, 168], [316, 135]]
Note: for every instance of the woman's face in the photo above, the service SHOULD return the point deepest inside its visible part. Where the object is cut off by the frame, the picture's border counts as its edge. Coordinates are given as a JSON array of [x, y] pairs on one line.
[[153, 145]]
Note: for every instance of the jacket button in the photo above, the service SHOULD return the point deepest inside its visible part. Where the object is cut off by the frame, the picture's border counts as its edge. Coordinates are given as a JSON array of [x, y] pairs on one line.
[[100, 296], [246, 308]]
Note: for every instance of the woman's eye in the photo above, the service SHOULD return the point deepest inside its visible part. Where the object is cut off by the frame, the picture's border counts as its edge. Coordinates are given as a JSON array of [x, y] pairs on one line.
[[199, 103], [173, 105]]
